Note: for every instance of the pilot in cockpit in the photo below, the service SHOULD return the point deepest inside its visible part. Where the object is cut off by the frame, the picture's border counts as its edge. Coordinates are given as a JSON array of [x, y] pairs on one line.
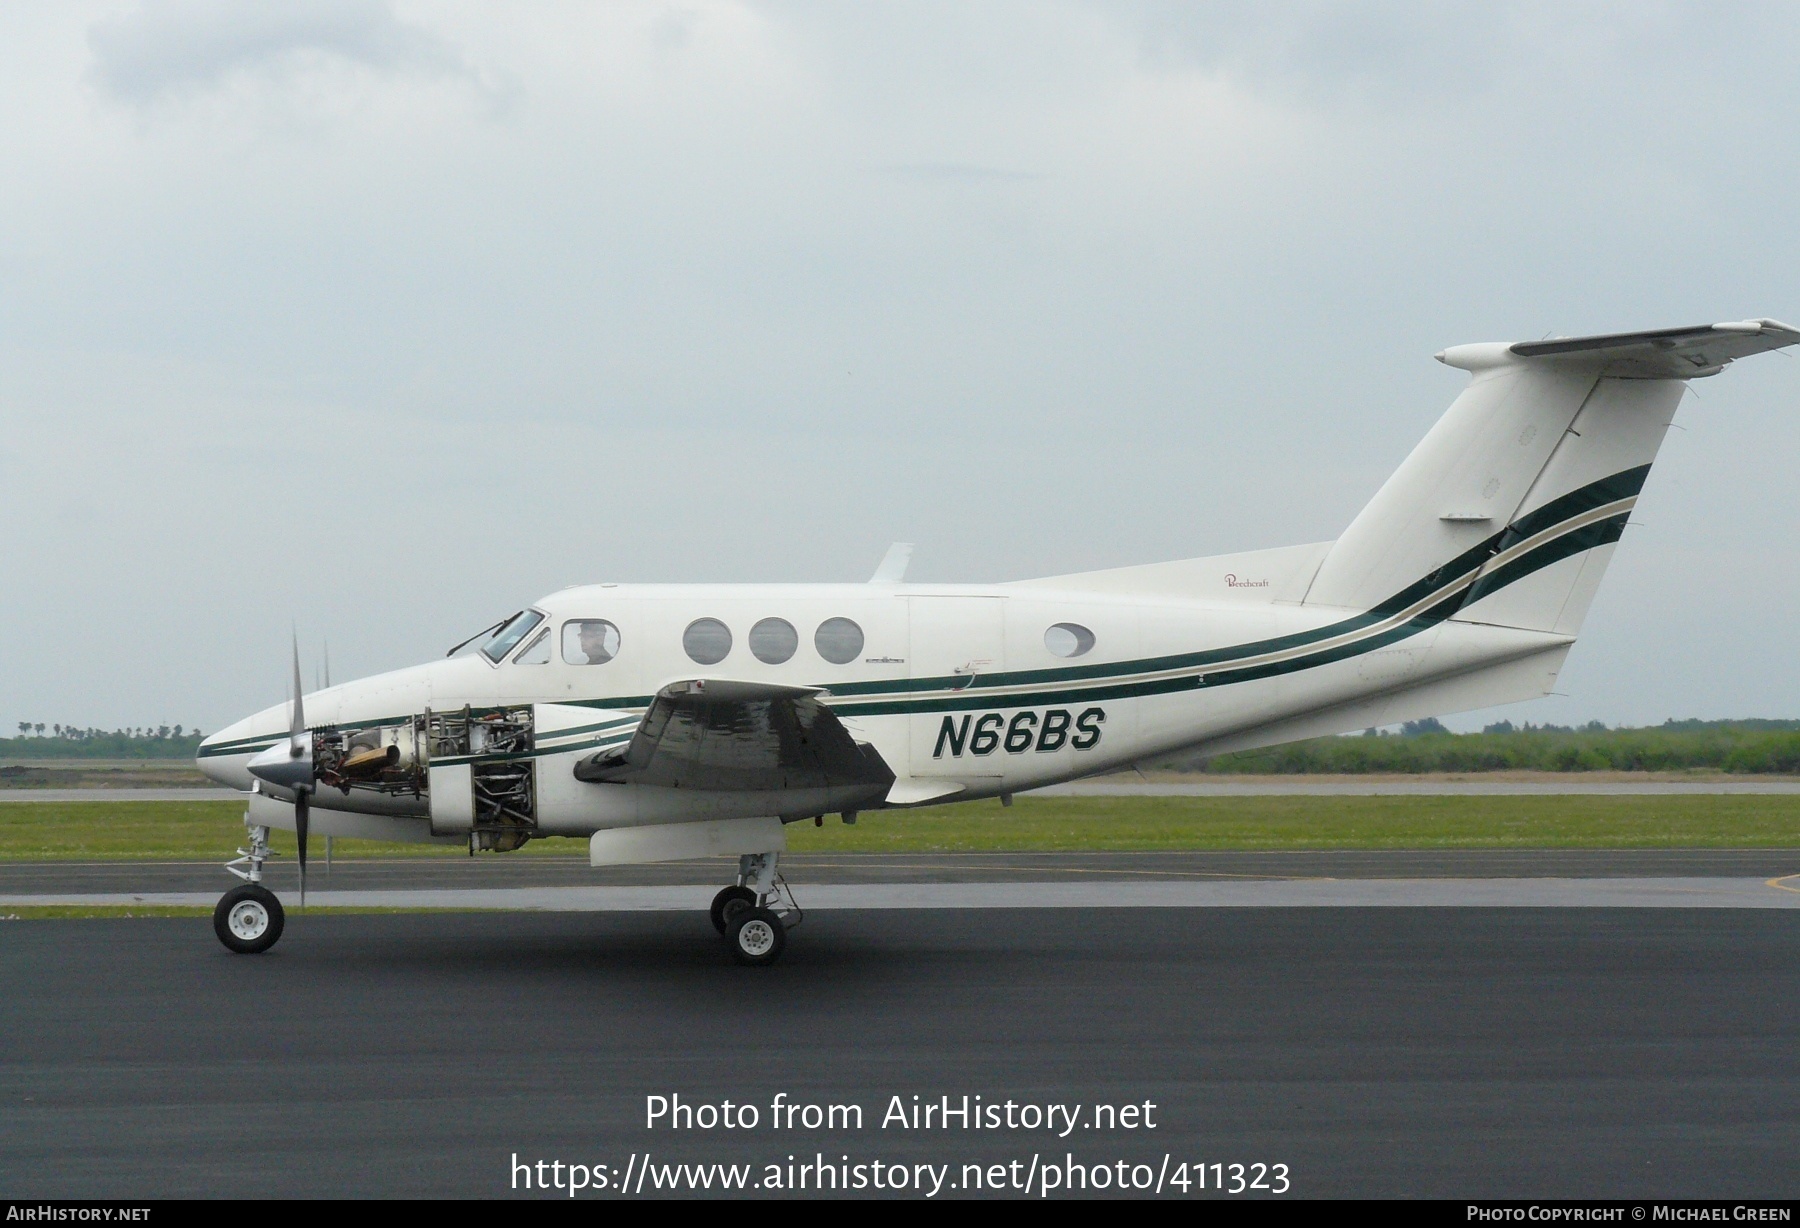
[[596, 639]]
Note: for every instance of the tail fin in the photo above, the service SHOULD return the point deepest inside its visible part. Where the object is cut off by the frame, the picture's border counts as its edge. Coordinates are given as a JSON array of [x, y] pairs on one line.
[[1508, 509]]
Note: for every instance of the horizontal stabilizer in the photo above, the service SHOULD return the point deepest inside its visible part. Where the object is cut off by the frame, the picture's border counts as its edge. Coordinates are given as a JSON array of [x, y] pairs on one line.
[[1664, 353]]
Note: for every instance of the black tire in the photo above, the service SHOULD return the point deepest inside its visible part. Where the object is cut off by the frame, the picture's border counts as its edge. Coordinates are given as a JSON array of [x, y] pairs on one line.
[[728, 904], [248, 919], [757, 937]]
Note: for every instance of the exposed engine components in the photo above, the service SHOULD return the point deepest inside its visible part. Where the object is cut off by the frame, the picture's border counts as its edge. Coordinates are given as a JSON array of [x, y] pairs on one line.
[[492, 748], [501, 731], [504, 840], [386, 759], [505, 803], [500, 814], [369, 759]]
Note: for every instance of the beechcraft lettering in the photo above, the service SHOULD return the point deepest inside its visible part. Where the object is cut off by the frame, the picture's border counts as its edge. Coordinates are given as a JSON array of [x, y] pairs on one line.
[[666, 722], [991, 731]]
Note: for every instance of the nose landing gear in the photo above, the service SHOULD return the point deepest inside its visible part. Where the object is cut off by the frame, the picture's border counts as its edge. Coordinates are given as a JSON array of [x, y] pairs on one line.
[[756, 913], [248, 919]]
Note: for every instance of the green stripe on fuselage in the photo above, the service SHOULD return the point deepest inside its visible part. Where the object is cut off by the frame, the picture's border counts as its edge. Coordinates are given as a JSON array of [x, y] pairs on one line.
[[1191, 670]]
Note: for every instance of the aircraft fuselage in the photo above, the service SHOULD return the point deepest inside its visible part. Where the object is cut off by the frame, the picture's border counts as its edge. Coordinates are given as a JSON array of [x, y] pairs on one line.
[[964, 691]]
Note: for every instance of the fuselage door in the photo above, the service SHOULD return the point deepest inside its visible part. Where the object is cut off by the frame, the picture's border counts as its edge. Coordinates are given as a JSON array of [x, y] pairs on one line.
[[955, 641]]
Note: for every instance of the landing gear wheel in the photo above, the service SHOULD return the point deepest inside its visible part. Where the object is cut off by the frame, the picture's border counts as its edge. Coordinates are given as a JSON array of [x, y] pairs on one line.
[[757, 937], [728, 904], [248, 919]]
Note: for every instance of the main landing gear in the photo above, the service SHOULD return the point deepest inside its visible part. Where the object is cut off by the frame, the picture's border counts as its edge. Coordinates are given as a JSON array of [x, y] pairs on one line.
[[756, 913], [249, 918]]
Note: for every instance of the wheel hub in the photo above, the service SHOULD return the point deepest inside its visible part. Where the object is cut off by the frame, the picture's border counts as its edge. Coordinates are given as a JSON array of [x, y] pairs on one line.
[[756, 937], [248, 920]]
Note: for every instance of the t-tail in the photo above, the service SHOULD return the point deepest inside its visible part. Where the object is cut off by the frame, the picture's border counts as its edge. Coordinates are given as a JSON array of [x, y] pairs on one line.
[[1465, 580], [1508, 510]]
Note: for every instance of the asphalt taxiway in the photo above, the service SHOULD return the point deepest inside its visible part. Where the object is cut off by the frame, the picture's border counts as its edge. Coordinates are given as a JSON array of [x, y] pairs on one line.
[[1451, 1052], [538, 871], [1586, 878], [1776, 893]]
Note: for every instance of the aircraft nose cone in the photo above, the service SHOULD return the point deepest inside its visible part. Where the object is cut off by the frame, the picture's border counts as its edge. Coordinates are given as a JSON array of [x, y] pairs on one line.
[[282, 767]]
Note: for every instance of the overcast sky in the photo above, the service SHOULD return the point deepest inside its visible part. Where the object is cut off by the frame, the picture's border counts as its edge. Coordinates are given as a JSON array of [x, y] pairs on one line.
[[382, 320]]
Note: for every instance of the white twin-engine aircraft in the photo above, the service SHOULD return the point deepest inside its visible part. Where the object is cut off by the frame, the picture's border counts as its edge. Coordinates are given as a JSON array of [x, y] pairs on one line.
[[665, 722]]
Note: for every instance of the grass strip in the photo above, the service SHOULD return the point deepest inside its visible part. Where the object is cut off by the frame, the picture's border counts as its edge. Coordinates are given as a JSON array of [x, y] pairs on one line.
[[208, 831], [89, 912], [1138, 824], [104, 912]]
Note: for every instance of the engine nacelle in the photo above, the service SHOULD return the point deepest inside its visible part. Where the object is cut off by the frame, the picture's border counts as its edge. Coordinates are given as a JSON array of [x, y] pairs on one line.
[[474, 773]]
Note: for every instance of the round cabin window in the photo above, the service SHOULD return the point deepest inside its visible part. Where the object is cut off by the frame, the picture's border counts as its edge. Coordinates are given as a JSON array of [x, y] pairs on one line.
[[707, 641], [1068, 640], [589, 641], [773, 640], [838, 640]]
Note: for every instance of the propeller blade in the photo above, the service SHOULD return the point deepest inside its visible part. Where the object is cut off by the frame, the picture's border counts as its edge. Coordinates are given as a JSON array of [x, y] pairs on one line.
[[300, 819], [297, 726], [291, 767]]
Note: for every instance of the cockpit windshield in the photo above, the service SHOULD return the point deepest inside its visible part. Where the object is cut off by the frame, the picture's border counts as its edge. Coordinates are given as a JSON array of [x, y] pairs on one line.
[[510, 633]]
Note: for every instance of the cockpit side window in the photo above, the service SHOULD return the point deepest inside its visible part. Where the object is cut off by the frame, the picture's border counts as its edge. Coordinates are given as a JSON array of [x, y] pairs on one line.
[[507, 638], [537, 652], [589, 641]]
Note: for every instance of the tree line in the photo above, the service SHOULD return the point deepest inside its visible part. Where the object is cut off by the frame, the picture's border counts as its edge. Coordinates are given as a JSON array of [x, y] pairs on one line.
[[36, 741], [1744, 746]]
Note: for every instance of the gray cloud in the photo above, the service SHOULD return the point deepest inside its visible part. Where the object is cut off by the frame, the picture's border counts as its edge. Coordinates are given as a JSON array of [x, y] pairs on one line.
[[1040, 286], [961, 172], [1323, 44], [173, 46], [1398, 51]]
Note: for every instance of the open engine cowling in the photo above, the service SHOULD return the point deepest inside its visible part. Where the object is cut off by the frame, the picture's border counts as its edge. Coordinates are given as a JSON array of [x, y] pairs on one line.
[[470, 772]]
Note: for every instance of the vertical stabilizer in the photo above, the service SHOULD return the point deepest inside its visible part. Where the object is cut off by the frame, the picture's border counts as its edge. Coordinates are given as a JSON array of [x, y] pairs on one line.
[[1548, 564], [1460, 486], [1508, 510]]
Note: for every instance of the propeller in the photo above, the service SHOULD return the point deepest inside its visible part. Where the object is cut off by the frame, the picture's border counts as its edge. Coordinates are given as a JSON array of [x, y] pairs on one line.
[[290, 766], [299, 743]]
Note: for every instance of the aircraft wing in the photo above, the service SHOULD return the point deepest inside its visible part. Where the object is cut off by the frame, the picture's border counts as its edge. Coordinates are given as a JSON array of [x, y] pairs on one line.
[[721, 735]]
